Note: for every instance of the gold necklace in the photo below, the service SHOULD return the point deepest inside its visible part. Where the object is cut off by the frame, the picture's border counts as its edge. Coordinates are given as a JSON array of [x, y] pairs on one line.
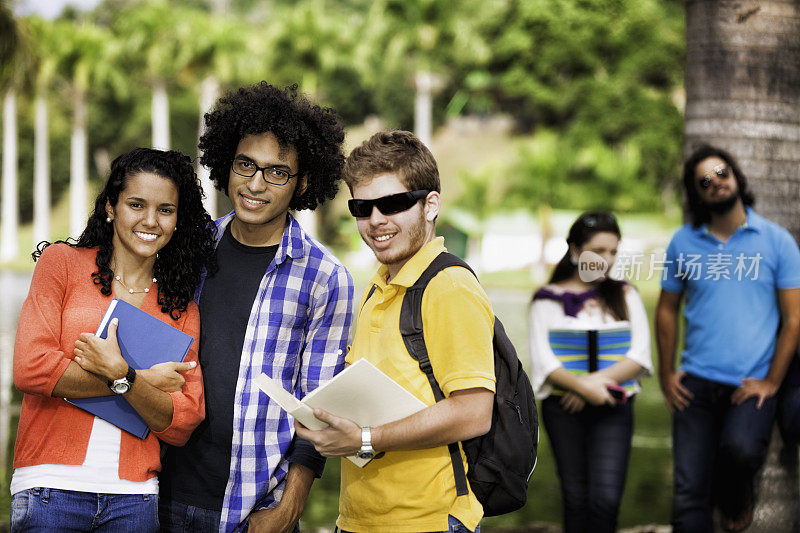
[[133, 291]]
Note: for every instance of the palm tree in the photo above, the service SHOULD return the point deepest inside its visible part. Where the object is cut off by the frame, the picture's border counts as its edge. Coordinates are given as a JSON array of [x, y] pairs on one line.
[[86, 59], [743, 94], [44, 52], [9, 76], [149, 30], [218, 46], [415, 33], [9, 45]]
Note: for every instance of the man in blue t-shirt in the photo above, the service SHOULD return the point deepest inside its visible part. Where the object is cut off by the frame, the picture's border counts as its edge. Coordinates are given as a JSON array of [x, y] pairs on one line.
[[740, 276]]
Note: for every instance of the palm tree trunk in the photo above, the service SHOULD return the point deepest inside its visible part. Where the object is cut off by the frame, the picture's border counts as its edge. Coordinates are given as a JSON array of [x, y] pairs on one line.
[[209, 92], [743, 95], [78, 166], [423, 106], [41, 173], [219, 7], [160, 116], [9, 247]]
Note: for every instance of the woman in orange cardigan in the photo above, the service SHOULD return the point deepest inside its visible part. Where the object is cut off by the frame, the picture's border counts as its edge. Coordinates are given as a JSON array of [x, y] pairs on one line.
[[147, 243]]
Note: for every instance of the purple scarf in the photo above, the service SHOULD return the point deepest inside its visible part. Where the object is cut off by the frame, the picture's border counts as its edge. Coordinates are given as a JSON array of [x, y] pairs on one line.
[[572, 302]]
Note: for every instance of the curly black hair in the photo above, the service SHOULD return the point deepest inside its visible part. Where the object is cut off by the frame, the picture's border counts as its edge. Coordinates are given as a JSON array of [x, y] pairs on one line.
[[180, 264], [698, 210], [316, 133]]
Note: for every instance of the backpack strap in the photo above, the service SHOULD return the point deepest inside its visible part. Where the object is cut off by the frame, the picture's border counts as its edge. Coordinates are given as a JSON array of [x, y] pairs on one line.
[[369, 295], [413, 337]]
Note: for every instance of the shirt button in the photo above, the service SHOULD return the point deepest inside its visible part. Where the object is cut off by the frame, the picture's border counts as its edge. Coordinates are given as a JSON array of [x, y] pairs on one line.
[[720, 246]]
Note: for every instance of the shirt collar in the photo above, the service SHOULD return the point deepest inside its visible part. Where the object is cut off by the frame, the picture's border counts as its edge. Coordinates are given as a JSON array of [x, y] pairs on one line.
[[414, 267], [294, 243], [754, 222]]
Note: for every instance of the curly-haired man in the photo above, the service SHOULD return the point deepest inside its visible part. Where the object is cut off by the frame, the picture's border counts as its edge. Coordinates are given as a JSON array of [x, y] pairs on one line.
[[279, 304]]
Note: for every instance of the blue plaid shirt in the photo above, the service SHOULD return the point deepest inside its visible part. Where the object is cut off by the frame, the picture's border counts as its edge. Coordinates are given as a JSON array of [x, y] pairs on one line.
[[297, 333]]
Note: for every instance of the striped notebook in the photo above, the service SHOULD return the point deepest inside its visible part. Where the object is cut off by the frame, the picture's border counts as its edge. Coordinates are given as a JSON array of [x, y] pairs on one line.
[[582, 351]]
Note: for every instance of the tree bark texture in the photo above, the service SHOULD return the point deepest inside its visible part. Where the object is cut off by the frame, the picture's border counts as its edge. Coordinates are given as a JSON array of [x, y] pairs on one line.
[[743, 95]]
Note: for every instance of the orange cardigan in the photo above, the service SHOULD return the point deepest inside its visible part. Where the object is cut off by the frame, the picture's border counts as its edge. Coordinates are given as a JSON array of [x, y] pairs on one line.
[[62, 303]]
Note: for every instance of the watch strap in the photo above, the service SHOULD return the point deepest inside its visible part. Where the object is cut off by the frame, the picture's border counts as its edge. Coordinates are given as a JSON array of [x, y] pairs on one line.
[[130, 377]]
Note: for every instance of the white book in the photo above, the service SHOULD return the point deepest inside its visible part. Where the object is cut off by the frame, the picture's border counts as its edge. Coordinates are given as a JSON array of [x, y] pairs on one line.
[[361, 393]]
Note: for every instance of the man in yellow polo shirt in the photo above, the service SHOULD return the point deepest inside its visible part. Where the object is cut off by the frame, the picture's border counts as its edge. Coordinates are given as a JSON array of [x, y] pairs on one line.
[[410, 487]]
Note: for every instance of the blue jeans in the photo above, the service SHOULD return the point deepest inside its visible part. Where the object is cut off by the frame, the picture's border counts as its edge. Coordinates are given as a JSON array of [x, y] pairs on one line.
[[454, 524], [177, 517], [43, 510], [717, 448], [591, 449]]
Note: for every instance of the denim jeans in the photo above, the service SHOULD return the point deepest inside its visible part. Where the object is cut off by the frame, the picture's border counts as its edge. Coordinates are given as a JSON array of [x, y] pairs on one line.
[[717, 448], [177, 517], [591, 449], [43, 510], [454, 524]]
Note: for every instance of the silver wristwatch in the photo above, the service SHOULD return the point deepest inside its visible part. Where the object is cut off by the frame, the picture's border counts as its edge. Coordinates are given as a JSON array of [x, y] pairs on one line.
[[123, 385], [366, 451]]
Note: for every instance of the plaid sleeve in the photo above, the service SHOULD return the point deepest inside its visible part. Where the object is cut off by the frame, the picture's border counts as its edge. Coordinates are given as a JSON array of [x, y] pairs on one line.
[[328, 331]]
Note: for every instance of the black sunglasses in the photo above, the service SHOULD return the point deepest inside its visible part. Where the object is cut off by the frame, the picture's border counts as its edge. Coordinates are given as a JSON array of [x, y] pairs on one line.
[[388, 205], [721, 171]]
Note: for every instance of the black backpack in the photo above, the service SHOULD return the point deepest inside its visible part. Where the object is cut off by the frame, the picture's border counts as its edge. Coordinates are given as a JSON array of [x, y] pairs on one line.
[[500, 462]]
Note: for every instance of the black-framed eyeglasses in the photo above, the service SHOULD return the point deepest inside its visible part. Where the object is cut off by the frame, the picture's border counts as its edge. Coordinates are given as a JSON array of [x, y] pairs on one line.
[[388, 205], [721, 171], [274, 175]]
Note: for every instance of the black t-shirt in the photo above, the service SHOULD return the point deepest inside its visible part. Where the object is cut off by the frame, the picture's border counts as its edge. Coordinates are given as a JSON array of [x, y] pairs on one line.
[[197, 473]]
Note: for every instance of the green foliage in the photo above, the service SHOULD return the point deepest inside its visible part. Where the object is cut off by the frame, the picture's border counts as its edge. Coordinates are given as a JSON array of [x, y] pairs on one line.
[[9, 43], [593, 81]]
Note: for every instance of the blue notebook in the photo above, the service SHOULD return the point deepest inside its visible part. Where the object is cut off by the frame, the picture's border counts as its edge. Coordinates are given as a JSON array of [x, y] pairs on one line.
[[144, 341]]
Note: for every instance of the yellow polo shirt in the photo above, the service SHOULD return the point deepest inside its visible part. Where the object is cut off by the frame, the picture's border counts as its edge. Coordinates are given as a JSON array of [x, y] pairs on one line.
[[412, 491]]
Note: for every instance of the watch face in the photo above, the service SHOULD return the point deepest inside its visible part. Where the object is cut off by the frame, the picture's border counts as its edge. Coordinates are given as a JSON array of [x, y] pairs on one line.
[[120, 386], [365, 454]]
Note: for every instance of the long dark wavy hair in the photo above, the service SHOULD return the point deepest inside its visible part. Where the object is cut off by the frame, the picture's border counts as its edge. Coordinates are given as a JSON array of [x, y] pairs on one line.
[[180, 264], [315, 132], [698, 210], [611, 291]]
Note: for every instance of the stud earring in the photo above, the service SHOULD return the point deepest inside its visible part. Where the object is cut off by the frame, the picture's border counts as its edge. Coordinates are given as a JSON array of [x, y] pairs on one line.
[[108, 219]]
